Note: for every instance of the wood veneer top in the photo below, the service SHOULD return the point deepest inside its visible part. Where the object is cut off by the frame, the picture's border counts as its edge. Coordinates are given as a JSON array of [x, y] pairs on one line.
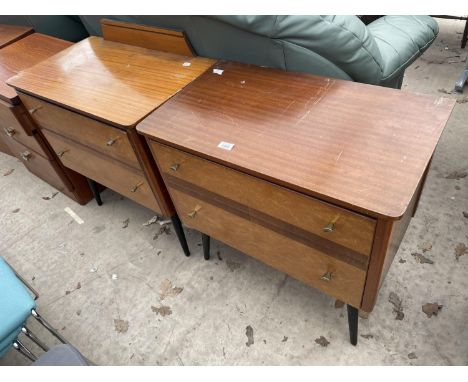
[[23, 54], [11, 33], [113, 82], [363, 147]]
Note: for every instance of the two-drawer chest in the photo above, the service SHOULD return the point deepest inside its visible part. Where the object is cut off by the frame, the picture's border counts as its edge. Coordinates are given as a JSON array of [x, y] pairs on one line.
[[87, 101], [313, 176], [19, 135]]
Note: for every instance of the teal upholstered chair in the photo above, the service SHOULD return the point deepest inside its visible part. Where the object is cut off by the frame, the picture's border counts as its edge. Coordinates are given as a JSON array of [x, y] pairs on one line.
[[16, 305], [333, 46], [65, 27]]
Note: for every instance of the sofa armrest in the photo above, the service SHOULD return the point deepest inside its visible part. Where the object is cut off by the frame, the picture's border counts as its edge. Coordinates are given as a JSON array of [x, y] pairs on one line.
[[402, 39]]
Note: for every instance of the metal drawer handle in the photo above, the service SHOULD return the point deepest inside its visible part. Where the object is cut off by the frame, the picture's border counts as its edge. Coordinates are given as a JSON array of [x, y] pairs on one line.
[[60, 153], [326, 277], [193, 213], [34, 109], [110, 142], [175, 167], [134, 188], [26, 155], [9, 131], [330, 227]]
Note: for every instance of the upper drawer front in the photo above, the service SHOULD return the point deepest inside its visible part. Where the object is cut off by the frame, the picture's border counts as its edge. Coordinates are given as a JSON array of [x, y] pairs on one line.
[[43, 168], [112, 174], [322, 220], [296, 258], [10, 129], [109, 140]]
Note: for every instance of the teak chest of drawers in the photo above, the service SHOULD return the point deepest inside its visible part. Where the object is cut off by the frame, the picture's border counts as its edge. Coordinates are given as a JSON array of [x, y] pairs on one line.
[[316, 177], [87, 101], [19, 135]]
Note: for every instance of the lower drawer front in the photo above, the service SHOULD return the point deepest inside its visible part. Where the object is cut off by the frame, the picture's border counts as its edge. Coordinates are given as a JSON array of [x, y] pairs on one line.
[[3, 146], [39, 166], [284, 253], [10, 128], [112, 174]]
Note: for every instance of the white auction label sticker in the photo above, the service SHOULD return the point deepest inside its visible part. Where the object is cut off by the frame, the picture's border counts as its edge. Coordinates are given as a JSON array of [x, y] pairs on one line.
[[219, 72], [226, 145]]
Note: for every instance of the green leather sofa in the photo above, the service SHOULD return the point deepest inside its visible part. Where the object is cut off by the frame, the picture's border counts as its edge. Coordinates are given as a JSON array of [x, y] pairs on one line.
[[334, 46], [65, 27]]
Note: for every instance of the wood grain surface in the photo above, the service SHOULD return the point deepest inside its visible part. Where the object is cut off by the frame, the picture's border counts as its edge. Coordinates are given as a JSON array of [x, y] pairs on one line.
[[112, 82], [359, 146], [11, 33], [164, 40], [23, 54]]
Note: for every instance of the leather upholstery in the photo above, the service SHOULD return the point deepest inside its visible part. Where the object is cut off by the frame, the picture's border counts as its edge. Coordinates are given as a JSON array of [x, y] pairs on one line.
[[335, 46], [15, 306], [65, 27]]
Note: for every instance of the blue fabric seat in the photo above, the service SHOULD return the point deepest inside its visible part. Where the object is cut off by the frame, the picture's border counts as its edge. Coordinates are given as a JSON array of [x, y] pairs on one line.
[[15, 306]]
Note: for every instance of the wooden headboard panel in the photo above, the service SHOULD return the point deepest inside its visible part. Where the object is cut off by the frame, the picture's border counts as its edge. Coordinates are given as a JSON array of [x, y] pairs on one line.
[[165, 40]]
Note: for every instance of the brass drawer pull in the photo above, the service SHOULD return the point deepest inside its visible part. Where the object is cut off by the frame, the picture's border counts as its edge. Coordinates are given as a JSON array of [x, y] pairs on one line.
[[134, 188], [34, 109], [60, 153], [326, 277], [110, 142], [9, 131], [330, 227], [26, 155], [175, 167], [193, 213]]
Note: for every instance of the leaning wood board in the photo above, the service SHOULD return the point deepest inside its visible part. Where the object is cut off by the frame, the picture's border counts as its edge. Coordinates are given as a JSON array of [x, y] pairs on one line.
[[347, 146], [12, 33]]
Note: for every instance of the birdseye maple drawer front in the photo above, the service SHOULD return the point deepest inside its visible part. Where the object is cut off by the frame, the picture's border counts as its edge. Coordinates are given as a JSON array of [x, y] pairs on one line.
[[330, 227], [42, 167], [108, 140], [267, 244], [10, 128], [112, 174]]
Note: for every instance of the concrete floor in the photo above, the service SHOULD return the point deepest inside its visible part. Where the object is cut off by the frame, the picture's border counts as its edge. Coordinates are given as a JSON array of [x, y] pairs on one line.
[[118, 321]]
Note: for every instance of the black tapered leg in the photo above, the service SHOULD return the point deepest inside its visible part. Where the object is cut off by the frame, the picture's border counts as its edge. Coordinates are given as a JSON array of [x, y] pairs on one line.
[[206, 246], [353, 316], [180, 234], [94, 188]]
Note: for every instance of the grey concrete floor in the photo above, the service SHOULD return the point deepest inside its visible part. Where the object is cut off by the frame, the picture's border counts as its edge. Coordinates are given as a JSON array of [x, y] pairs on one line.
[[119, 321]]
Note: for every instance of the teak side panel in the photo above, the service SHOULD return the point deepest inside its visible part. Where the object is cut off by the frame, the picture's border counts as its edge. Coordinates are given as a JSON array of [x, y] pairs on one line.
[[165, 40], [358, 146], [389, 235], [12, 33], [24, 54], [108, 140], [112, 82], [350, 229], [106, 171], [286, 255]]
